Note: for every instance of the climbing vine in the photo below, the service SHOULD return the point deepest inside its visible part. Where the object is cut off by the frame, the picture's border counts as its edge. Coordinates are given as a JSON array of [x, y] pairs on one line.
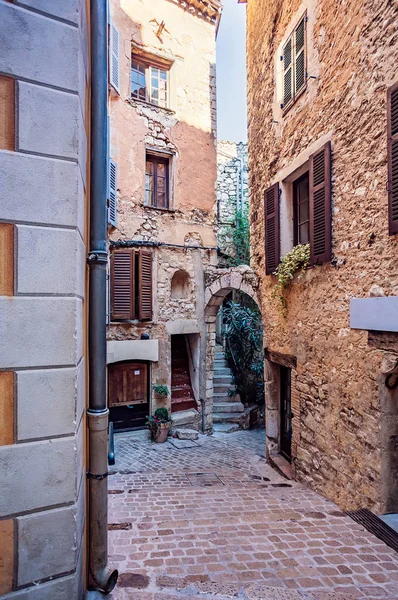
[[298, 258], [239, 236]]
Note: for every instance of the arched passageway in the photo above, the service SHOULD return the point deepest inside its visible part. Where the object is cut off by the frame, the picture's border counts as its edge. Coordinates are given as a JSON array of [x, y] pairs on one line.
[[219, 283]]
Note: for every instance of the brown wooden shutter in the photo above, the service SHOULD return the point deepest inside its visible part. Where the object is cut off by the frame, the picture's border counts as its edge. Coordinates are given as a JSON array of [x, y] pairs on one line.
[[145, 284], [320, 206], [392, 149], [271, 216], [122, 283]]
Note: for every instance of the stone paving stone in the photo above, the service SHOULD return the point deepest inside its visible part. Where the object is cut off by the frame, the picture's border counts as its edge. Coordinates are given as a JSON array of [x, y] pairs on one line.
[[214, 522]]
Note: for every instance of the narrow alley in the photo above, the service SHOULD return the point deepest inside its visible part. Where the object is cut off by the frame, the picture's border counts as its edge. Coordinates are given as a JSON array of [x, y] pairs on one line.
[[210, 519]]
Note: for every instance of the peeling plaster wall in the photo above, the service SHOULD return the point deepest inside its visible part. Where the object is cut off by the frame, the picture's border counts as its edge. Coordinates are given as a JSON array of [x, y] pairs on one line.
[[187, 131], [353, 52]]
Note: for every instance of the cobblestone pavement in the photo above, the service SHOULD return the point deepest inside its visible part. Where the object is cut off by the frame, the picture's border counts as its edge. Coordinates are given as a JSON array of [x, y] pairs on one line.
[[214, 521]]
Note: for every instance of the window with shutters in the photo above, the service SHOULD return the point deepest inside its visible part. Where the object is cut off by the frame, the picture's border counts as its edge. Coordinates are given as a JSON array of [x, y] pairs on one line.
[[150, 81], [131, 284], [298, 211], [294, 65], [392, 153], [157, 181]]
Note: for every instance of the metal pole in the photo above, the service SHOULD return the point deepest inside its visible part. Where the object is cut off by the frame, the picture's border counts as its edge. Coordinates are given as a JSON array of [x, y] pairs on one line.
[[97, 413]]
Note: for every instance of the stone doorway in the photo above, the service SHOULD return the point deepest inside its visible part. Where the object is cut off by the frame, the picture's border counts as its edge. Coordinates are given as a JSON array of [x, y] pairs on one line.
[[219, 283]]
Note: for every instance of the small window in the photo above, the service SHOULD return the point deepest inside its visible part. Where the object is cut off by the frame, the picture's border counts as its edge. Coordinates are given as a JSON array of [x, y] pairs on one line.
[[301, 205], [149, 82], [157, 181], [294, 65]]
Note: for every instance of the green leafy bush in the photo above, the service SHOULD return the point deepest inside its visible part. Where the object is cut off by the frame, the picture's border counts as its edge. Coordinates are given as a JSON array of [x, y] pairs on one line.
[[239, 233], [244, 350]]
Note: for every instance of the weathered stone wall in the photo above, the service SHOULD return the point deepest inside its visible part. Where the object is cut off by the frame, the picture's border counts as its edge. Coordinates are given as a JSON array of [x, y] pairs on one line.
[[353, 53], [232, 188], [187, 131]]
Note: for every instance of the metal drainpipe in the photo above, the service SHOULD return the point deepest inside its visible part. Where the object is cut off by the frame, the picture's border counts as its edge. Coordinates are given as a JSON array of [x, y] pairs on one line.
[[97, 413]]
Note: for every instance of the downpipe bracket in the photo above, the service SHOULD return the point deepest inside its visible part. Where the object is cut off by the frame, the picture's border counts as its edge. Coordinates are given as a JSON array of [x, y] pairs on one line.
[[97, 257]]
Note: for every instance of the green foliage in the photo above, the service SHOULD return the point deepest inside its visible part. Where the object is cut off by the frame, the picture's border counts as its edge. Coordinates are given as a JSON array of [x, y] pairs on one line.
[[161, 390], [160, 416], [298, 258], [240, 236], [244, 349]]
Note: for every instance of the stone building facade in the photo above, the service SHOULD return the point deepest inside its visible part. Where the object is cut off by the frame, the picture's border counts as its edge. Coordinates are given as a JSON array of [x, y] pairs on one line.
[[162, 127], [319, 75], [44, 85], [232, 189]]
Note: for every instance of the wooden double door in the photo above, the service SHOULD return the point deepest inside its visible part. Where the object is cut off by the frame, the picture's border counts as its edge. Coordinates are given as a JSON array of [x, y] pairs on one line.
[[128, 394]]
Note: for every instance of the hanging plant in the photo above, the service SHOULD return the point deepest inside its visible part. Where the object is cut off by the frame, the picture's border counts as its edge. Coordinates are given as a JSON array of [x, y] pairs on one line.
[[298, 258]]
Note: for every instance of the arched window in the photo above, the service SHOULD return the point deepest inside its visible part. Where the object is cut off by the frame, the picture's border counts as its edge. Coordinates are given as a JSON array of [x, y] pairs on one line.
[[180, 284]]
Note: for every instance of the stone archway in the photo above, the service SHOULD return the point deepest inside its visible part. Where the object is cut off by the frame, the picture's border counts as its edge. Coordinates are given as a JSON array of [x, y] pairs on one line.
[[218, 284]]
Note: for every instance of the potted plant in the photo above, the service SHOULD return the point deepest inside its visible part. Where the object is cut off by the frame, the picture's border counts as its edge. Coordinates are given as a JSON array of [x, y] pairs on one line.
[[161, 390], [159, 425]]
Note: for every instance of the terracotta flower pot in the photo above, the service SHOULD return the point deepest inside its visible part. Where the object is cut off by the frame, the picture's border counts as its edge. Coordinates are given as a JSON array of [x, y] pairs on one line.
[[161, 435]]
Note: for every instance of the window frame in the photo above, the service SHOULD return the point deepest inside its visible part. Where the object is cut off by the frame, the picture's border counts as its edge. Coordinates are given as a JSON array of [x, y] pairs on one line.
[[295, 94], [296, 211], [148, 65], [156, 159]]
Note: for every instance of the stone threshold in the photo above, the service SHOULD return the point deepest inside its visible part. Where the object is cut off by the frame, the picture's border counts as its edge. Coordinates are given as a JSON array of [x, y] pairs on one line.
[[280, 464]]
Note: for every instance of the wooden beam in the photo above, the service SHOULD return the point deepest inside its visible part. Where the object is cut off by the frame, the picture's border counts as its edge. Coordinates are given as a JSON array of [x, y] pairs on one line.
[[6, 555], [6, 408], [286, 360], [7, 113], [6, 259]]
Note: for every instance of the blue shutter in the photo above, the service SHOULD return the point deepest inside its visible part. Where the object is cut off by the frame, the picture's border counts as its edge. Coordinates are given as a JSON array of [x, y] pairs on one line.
[[114, 58], [112, 206]]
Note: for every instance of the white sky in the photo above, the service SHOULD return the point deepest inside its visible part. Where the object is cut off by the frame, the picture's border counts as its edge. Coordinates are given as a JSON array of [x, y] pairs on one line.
[[231, 73]]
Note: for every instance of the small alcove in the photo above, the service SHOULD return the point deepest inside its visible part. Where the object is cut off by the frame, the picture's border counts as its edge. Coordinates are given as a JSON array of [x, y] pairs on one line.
[[180, 285]]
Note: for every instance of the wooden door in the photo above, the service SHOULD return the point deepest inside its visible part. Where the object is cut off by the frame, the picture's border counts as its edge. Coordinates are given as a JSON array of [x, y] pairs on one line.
[[128, 394], [286, 413]]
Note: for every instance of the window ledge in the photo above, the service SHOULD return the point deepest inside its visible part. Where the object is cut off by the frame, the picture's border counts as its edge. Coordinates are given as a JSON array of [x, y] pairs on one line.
[[165, 210], [151, 105], [130, 322]]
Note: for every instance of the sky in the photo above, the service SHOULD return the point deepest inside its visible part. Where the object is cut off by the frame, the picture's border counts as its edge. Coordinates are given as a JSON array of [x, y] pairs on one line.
[[231, 73]]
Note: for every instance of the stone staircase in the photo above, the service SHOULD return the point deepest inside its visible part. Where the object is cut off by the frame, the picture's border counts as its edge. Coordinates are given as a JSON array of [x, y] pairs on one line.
[[228, 411]]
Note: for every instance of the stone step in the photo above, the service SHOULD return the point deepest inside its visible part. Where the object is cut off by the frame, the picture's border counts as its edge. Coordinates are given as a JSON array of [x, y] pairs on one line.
[[225, 427], [222, 372], [186, 434], [225, 397], [220, 364], [222, 379], [221, 388], [228, 407], [227, 417], [185, 417]]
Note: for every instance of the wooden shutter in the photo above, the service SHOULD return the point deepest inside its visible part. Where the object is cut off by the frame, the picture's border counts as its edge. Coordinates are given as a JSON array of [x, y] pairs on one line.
[[112, 201], [271, 216], [145, 284], [320, 206], [299, 57], [392, 149], [287, 73], [122, 285], [114, 58]]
